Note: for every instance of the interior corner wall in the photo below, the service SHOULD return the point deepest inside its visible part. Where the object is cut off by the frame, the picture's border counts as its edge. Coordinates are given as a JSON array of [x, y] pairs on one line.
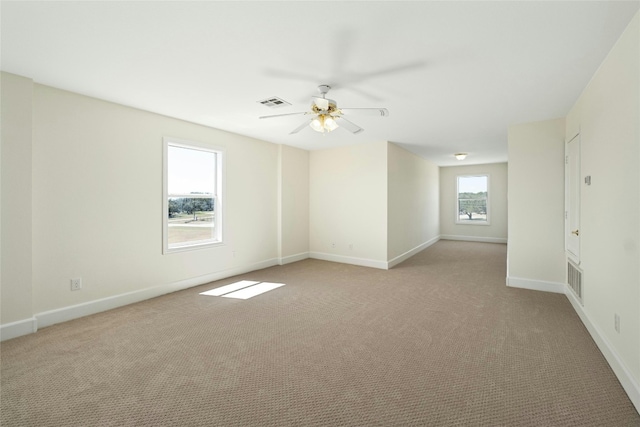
[[607, 116], [347, 200], [413, 204], [496, 231], [15, 202], [294, 204], [536, 206]]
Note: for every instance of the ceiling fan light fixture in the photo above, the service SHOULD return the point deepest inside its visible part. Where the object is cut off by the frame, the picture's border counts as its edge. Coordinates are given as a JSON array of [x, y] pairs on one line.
[[330, 124], [326, 112], [323, 123], [460, 156], [317, 125]]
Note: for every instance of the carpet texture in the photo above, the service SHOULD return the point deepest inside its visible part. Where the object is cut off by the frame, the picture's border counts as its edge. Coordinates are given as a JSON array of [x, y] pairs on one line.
[[437, 341]]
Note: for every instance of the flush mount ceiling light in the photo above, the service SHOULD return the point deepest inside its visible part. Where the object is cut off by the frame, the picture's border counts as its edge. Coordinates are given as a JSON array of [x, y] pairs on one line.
[[460, 156]]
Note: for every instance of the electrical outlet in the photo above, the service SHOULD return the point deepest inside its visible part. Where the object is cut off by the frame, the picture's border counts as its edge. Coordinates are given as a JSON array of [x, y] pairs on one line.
[[351, 246], [616, 322], [333, 245], [76, 284]]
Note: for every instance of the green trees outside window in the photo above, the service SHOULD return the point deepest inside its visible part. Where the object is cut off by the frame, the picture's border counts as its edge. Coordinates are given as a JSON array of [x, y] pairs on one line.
[[192, 195], [473, 197]]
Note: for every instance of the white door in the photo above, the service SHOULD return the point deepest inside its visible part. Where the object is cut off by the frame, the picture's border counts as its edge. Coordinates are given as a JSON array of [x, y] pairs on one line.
[[572, 197]]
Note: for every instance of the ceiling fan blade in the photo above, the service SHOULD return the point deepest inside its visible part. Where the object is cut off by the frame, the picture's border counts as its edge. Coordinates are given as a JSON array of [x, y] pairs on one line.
[[299, 128], [366, 111], [282, 115], [351, 127], [321, 103]]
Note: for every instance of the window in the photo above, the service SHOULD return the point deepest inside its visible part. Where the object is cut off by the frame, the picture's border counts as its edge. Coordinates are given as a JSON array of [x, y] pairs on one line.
[[192, 201], [473, 200]]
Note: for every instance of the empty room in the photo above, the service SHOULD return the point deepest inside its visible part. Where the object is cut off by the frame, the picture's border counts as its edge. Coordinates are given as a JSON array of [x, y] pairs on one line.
[[333, 213]]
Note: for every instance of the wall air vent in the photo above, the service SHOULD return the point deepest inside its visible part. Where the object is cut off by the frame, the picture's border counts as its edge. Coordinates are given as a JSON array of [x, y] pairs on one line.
[[574, 279], [274, 102]]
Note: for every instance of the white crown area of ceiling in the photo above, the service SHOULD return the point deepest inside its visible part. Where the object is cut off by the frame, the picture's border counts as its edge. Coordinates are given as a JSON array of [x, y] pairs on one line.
[[453, 75]]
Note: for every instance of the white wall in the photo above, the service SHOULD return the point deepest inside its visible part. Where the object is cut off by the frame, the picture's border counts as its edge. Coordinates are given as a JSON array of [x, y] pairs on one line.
[[496, 231], [86, 185], [413, 214], [92, 171], [16, 203], [348, 204], [293, 204], [608, 118], [536, 206], [97, 170]]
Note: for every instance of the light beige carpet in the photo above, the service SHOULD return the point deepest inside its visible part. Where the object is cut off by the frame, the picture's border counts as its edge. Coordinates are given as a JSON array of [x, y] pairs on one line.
[[437, 341]]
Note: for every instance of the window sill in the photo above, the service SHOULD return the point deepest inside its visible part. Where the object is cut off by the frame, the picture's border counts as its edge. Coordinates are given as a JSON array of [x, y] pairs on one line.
[[192, 247]]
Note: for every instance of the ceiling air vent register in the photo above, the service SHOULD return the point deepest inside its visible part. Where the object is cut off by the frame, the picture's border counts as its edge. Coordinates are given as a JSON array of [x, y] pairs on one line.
[[274, 102]]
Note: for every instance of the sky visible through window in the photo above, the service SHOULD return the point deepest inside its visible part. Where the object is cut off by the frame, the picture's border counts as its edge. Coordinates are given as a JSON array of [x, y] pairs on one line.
[[191, 171], [472, 184]]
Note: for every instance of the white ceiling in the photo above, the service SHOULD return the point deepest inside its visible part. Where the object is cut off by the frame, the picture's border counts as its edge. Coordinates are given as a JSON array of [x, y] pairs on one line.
[[454, 75]]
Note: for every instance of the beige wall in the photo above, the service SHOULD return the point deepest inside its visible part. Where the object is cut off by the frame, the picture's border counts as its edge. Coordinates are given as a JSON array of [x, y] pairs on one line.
[[413, 216], [16, 277], [496, 231], [93, 170], [97, 200], [348, 197], [608, 118], [294, 204], [371, 204], [536, 204]]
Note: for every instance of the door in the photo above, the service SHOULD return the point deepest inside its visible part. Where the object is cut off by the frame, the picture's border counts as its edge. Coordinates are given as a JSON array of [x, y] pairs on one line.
[[572, 198]]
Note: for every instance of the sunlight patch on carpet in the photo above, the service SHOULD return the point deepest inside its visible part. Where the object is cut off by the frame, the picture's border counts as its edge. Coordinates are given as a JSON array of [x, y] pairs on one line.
[[243, 289], [229, 288], [254, 290]]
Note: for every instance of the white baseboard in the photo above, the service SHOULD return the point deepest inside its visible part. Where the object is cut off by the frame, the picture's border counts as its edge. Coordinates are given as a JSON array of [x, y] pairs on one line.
[[371, 262], [474, 238], [64, 314], [349, 260], [405, 256], [536, 285], [294, 258], [18, 329], [621, 371], [623, 374]]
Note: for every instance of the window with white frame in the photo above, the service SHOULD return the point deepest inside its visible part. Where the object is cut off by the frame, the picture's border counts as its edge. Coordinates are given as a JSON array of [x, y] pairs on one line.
[[472, 199], [192, 199]]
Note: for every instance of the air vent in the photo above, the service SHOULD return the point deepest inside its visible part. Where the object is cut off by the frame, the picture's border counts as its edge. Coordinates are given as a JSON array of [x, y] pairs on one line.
[[574, 278], [274, 102]]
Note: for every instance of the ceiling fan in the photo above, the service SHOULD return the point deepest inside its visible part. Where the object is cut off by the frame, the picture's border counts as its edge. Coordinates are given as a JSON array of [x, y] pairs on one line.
[[326, 116]]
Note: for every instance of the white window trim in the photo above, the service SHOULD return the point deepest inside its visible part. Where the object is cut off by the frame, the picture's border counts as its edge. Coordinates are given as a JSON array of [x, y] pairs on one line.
[[457, 209], [218, 197]]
